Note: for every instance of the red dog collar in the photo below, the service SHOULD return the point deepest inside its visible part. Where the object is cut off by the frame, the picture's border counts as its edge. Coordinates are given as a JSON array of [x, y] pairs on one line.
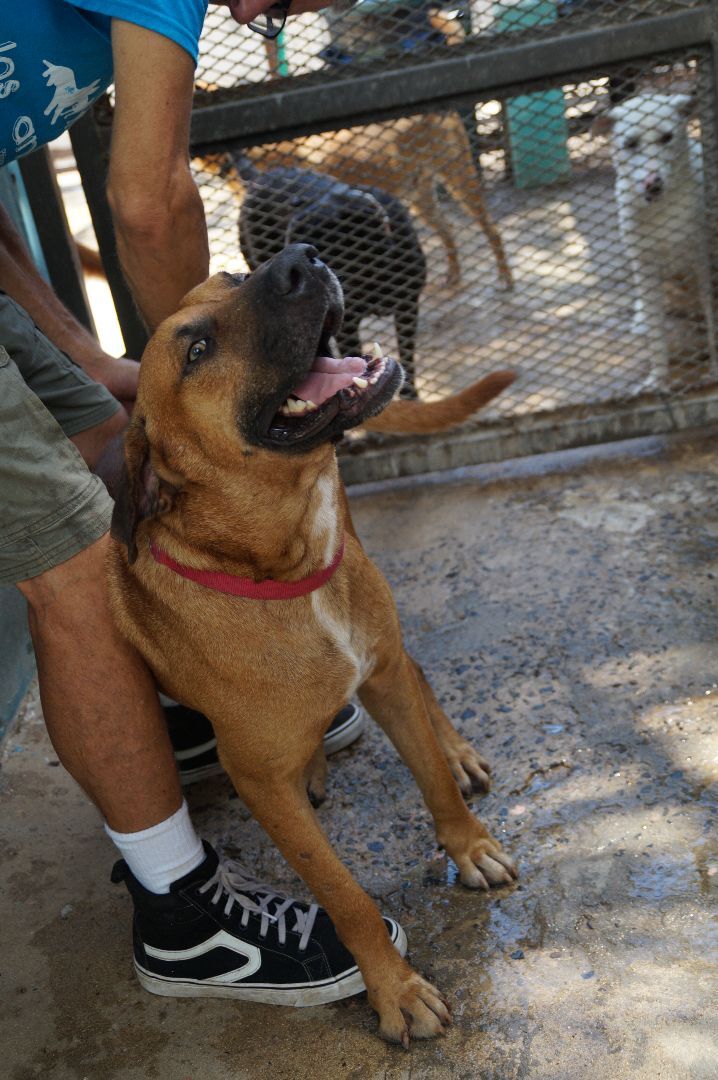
[[246, 587]]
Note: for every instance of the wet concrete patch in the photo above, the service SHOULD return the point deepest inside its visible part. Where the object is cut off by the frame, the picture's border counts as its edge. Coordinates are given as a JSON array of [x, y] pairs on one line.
[[567, 622]]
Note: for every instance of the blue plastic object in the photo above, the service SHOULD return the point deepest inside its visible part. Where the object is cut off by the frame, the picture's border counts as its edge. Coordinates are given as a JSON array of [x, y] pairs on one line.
[[536, 123]]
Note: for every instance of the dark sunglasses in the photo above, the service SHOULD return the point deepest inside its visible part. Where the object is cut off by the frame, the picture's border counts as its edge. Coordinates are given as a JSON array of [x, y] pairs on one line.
[[271, 23]]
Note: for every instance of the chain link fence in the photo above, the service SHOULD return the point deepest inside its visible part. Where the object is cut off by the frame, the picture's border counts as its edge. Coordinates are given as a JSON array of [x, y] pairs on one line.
[[560, 225], [370, 34]]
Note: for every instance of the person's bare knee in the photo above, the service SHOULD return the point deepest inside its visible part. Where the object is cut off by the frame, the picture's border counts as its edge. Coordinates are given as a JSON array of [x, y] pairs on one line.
[[93, 441], [99, 699]]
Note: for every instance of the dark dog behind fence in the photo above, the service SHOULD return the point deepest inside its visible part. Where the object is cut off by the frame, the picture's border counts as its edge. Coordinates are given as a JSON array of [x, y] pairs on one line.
[[364, 234]]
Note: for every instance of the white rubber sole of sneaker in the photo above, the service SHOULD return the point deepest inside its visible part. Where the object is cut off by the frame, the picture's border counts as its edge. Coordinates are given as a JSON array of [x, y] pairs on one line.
[[202, 772], [337, 739], [345, 734], [297, 995]]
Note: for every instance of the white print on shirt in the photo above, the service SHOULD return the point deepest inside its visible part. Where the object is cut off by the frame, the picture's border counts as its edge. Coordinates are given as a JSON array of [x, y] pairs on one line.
[[23, 133], [7, 68], [69, 100]]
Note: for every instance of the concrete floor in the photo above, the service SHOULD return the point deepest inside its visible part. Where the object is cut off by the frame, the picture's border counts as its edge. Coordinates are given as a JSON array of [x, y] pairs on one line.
[[565, 611]]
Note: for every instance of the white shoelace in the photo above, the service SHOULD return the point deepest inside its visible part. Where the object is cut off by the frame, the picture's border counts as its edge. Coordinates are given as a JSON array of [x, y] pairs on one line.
[[231, 882]]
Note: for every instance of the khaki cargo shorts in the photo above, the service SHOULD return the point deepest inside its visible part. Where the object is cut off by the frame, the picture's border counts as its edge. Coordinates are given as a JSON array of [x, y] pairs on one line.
[[52, 505]]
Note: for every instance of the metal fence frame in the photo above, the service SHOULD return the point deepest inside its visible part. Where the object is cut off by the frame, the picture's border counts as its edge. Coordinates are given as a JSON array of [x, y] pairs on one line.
[[299, 106]]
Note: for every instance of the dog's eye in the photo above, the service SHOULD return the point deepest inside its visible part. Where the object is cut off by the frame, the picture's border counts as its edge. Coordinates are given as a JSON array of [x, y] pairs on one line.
[[196, 350], [631, 144], [665, 137]]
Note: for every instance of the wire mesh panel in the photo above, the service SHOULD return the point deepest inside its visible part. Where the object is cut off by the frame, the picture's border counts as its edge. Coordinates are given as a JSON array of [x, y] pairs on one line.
[[363, 34], [564, 232], [485, 214]]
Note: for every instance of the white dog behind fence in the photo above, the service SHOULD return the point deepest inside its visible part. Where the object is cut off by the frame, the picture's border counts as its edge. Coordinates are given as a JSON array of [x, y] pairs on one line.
[[661, 211]]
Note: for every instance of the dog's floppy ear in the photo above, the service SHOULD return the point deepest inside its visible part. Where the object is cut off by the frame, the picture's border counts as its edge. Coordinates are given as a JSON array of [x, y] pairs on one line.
[[141, 493]]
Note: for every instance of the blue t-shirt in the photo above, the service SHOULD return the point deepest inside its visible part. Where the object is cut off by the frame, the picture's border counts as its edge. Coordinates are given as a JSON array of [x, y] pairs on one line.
[[56, 59]]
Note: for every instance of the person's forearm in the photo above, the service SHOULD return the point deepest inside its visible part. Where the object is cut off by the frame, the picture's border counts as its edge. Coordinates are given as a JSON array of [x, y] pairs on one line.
[[20, 279], [163, 249]]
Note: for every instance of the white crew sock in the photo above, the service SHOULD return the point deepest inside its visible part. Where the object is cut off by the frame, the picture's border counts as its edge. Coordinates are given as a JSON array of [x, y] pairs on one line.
[[163, 853]]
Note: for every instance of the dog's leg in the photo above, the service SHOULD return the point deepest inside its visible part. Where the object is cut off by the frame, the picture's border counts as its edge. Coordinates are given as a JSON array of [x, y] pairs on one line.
[[427, 207], [465, 189], [471, 771], [392, 695], [649, 321], [407, 1004], [648, 308], [405, 319], [462, 182], [315, 777]]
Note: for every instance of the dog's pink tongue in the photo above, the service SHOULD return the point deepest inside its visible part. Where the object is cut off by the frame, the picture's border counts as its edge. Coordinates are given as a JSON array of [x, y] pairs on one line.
[[327, 377]]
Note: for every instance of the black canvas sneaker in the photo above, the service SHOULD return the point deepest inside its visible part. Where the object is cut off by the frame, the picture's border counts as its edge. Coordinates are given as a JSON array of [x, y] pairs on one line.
[[218, 933], [195, 746]]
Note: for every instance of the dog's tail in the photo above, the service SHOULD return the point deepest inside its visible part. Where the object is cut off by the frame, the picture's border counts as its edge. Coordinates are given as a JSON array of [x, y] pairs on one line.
[[407, 417]]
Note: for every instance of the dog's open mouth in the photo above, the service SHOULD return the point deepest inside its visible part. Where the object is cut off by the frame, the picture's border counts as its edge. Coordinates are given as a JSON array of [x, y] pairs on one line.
[[338, 392]]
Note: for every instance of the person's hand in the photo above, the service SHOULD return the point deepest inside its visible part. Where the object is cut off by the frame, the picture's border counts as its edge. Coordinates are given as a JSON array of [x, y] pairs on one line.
[[243, 11], [118, 374]]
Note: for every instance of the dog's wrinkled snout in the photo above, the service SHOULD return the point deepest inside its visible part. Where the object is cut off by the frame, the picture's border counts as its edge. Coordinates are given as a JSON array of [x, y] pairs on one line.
[[293, 268], [652, 186]]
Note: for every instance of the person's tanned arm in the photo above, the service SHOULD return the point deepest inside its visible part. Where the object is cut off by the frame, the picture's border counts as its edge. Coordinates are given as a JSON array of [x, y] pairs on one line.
[[157, 209]]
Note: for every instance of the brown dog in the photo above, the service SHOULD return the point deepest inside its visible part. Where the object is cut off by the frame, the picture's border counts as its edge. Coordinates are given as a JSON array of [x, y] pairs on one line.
[[222, 476], [404, 157]]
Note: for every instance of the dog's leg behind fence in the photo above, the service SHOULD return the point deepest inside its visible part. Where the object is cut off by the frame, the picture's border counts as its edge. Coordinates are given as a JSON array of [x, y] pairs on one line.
[[405, 320], [427, 207]]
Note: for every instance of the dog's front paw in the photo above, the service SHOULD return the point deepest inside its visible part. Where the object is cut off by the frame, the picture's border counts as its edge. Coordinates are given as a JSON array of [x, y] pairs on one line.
[[481, 861], [409, 1007], [471, 771]]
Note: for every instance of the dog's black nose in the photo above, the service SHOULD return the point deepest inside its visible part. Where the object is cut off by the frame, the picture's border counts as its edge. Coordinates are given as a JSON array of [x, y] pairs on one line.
[[652, 186], [291, 269]]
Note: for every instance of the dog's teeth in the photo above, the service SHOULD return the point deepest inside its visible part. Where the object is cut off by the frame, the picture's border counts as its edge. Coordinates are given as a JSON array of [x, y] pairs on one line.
[[311, 407], [374, 380], [376, 351], [361, 383]]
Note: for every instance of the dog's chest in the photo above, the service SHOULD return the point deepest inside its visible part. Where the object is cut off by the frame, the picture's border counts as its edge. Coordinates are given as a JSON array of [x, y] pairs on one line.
[[343, 636], [334, 621]]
